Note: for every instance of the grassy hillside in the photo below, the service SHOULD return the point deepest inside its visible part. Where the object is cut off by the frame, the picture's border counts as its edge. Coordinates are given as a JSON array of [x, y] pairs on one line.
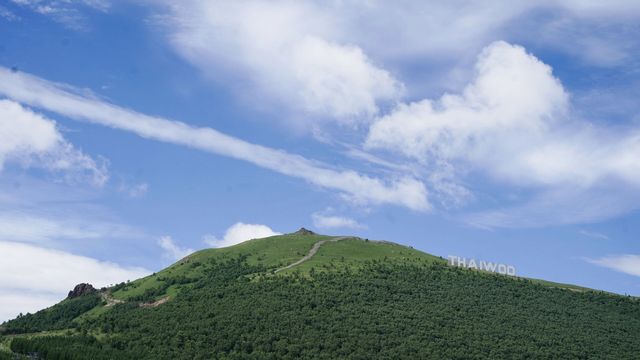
[[271, 253], [354, 253], [354, 299]]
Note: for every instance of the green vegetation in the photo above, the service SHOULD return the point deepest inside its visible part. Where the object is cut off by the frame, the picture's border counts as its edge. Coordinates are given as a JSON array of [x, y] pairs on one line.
[[5, 355], [272, 252], [354, 299], [56, 317], [350, 253], [561, 286], [68, 348]]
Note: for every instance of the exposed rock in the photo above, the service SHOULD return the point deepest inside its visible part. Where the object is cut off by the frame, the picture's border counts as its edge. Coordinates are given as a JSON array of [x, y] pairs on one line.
[[109, 299], [81, 290], [304, 231], [155, 303]]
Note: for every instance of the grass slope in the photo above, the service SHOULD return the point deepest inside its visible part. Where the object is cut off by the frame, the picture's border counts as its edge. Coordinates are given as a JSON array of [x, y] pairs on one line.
[[354, 253], [272, 252]]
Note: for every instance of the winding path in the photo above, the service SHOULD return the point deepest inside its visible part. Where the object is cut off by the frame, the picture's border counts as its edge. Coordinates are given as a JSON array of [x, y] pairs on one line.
[[155, 303], [313, 251], [106, 296]]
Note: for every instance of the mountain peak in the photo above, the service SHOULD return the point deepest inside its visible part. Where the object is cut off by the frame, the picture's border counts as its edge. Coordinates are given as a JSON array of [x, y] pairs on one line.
[[304, 231]]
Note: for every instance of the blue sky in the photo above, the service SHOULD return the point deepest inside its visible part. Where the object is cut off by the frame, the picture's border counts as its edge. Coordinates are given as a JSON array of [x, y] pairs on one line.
[[134, 132]]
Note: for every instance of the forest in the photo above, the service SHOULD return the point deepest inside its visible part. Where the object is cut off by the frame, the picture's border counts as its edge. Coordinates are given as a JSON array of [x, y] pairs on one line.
[[382, 310], [57, 317]]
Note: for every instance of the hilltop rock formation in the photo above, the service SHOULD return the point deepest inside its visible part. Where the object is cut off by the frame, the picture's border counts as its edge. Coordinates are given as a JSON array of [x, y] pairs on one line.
[[304, 231], [81, 290]]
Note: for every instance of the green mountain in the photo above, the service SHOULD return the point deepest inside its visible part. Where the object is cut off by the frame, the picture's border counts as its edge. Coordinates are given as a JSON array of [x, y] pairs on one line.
[[304, 295]]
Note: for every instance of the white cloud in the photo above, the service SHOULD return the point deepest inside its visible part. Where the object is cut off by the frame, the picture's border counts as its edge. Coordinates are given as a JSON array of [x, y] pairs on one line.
[[600, 9], [267, 46], [607, 47], [135, 190], [16, 226], [252, 44], [37, 215], [7, 14], [513, 93], [14, 302], [23, 131], [405, 191], [514, 124], [280, 46], [240, 232], [171, 249], [34, 277], [31, 140], [559, 206], [331, 222], [65, 12], [594, 235], [30, 226], [36, 210], [628, 263]]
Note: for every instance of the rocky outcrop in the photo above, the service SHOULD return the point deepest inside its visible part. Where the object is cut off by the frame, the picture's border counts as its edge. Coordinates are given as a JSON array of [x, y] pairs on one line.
[[81, 290], [304, 231]]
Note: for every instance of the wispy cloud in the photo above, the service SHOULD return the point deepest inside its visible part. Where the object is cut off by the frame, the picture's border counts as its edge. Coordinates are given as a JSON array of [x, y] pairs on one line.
[[594, 235], [68, 13], [134, 190], [405, 191], [8, 14], [627, 263], [16, 226], [27, 226], [37, 211], [558, 206]]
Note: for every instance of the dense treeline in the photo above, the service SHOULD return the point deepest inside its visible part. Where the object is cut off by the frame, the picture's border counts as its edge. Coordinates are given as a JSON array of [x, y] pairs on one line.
[[57, 317], [68, 348], [384, 310], [9, 356]]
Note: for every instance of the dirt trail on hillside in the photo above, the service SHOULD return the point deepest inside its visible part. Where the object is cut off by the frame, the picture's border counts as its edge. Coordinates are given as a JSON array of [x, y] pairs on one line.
[[110, 299], [155, 303], [312, 252]]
